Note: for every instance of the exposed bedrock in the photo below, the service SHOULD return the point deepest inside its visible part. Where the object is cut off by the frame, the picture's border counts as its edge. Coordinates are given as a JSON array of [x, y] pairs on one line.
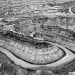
[[29, 49], [33, 54], [58, 35], [56, 31], [52, 28], [50, 31], [37, 35], [73, 9]]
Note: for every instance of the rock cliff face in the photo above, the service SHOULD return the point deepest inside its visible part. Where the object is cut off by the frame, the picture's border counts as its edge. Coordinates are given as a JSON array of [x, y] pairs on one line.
[[37, 36]]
